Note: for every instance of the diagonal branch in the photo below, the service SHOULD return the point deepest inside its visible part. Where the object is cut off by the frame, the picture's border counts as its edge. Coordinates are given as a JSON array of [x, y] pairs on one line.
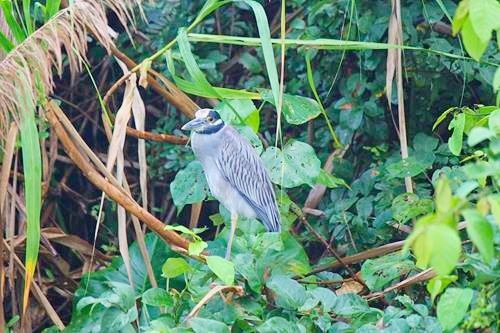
[[115, 193]]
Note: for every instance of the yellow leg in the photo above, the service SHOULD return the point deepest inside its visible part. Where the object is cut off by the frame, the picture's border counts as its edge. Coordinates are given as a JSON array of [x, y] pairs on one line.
[[234, 220]]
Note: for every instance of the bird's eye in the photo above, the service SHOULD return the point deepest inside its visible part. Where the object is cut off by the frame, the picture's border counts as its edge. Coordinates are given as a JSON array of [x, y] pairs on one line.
[[210, 119]]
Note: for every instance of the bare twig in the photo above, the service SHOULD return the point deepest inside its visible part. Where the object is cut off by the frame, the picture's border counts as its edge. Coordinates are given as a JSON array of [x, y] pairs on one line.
[[378, 251], [420, 277], [178, 140], [330, 249]]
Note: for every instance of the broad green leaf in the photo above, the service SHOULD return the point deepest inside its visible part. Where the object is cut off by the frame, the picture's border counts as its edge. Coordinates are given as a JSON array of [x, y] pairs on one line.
[[407, 206], [240, 112], [278, 325], [452, 306], [295, 165], [197, 247], [456, 139], [472, 42], [186, 231], [189, 185], [494, 122], [157, 297], [221, 267], [174, 267], [443, 195], [289, 293], [32, 167], [484, 16], [496, 80], [438, 246], [202, 325], [478, 135], [436, 285], [494, 201], [378, 273], [329, 180], [116, 320], [461, 15], [296, 109], [480, 232]]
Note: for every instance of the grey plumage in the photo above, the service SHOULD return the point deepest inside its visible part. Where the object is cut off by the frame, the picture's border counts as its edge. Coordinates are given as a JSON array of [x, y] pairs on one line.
[[235, 173]]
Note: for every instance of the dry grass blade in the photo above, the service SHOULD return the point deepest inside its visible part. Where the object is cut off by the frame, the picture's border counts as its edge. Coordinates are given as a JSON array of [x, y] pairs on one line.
[[6, 163], [42, 53], [395, 66], [115, 154]]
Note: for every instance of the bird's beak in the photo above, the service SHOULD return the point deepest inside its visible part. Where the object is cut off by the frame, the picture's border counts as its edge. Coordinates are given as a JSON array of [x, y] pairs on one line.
[[192, 125]]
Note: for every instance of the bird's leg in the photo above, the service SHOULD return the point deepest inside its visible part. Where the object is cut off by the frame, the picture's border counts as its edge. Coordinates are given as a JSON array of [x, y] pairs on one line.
[[234, 220]]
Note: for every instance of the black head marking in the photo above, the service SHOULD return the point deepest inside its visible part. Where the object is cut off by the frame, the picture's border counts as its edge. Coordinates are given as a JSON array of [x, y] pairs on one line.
[[214, 123]]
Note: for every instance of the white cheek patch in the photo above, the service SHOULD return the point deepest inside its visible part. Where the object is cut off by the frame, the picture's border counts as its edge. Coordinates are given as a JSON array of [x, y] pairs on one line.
[[218, 122], [202, 113]]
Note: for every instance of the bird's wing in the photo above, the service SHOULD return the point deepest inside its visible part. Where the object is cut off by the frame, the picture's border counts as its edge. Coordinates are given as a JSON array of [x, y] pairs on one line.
[[244, 170]]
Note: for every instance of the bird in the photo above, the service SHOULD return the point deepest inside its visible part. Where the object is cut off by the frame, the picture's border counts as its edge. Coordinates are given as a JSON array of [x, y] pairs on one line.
[[235, 173]]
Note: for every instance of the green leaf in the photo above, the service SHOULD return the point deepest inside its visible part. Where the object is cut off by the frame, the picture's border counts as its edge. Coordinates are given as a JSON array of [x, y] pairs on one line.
[[11, 20], [278, 325], [296, 109], [51, 8], [295, 165], [407, 206], [202, 325], [197, 247], [494, 201], [157, 297], [5, 43], [436, 285], [456, 139], [461, 15], [496, 80], [289, 293], [27, 17], [452, 306], [481, 233], [473, 44], [378, 273], [267, 46], [330, 180], [174, 267], [494, 121], [32, 167], [436, 245], [223, 268], [443, 195], [478, 135], [484, 16], [189, 185], [240, 112]]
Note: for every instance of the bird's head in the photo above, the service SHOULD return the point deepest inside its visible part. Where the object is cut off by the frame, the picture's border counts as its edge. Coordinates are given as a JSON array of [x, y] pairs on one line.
[[206, 121]]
